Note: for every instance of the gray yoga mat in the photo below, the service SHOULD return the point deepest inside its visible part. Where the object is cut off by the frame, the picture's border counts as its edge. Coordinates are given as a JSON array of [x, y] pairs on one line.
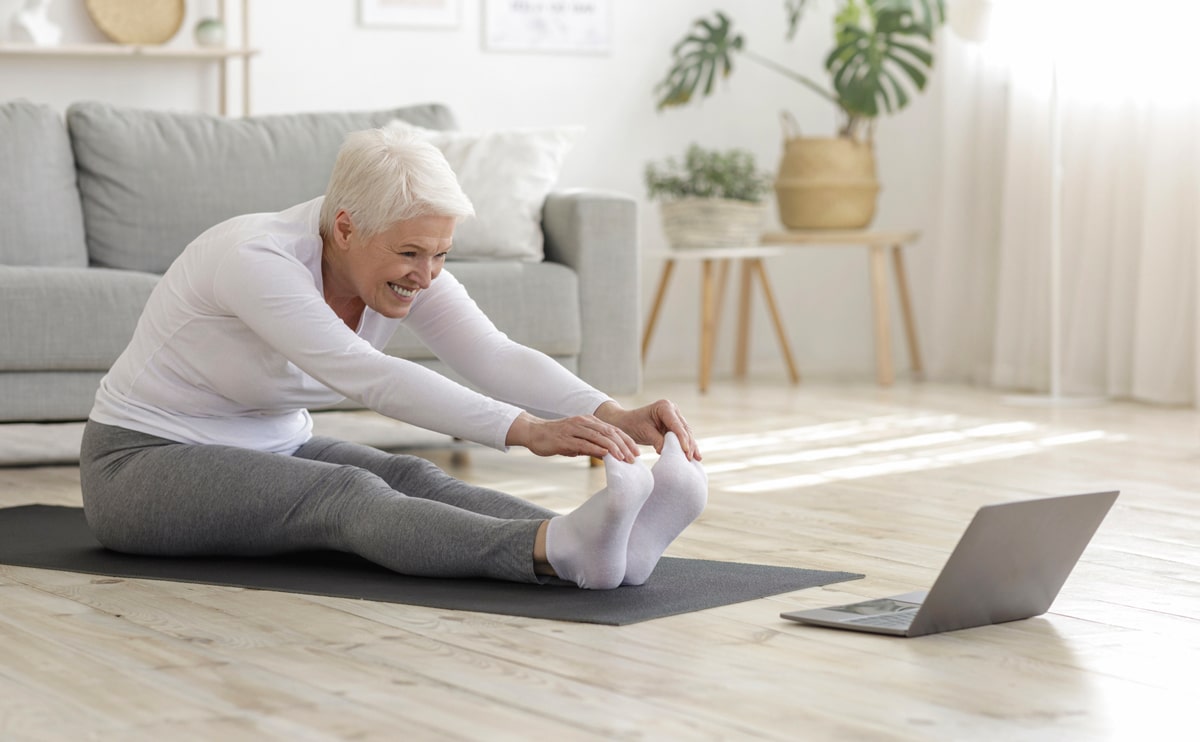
[[56, 537]]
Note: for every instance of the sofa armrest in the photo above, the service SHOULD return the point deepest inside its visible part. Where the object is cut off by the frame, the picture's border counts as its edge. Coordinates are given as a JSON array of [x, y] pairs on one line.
[[595, 234]]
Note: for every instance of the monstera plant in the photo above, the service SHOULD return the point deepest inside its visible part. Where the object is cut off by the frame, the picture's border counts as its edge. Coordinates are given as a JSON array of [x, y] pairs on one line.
[[882, 48], [882, 53]]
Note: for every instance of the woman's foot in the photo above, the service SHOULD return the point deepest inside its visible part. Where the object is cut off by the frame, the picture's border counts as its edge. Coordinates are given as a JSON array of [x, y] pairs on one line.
[[588, 545], [679, 495]]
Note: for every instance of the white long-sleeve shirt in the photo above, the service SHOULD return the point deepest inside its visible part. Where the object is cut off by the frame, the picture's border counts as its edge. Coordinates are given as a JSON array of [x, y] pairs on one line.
[[237, 342]]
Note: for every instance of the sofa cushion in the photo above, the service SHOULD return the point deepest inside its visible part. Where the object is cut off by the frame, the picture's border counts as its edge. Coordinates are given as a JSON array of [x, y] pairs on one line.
[[535, 304], [45, 396], [507, 174], [68, 319], [151, 181], [41, 222]]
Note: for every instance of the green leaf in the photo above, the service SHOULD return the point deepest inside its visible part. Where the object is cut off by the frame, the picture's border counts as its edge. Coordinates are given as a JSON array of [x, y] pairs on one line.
[[701, 56], [883, 50], [794, 9], [914, 73], [920, 53], [897, 89]]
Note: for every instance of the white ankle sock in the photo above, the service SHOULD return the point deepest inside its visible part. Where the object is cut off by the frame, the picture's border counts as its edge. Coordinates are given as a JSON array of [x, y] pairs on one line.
[[679, 495], [587, 546]]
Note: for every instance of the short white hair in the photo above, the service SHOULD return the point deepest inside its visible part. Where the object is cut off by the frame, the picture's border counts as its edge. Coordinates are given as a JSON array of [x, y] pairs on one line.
[[386, 175]]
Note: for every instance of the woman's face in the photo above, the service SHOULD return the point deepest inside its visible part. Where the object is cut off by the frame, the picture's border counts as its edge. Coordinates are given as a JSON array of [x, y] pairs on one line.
[[387, 270]]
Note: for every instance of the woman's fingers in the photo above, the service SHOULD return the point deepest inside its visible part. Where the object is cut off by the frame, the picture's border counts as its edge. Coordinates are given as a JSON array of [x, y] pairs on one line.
[[609, 438], [584, 435], [670, 419], [591, 435]]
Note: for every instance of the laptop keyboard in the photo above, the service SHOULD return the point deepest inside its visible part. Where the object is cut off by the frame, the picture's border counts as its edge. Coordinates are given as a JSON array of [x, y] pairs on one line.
[[900, 620]]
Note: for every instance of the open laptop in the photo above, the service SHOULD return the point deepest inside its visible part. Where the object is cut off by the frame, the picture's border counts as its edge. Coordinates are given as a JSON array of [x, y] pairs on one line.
[[1009, 564]]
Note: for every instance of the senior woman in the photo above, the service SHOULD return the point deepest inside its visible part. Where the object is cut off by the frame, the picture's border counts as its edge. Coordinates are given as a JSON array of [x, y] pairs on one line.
[[200, 441]]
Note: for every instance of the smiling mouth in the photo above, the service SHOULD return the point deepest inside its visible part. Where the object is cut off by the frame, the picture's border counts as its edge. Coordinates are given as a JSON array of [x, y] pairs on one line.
[[402, 292]]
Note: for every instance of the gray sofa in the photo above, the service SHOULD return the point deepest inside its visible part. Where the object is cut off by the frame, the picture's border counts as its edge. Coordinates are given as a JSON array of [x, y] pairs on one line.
[[96, 207]]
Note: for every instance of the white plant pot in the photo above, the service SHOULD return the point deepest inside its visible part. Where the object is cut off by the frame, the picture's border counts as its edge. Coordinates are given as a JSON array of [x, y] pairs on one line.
[[712, 222]]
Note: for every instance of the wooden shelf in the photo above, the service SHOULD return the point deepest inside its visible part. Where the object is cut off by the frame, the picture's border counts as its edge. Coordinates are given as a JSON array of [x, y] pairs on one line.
[[125, 50], [220, 56]]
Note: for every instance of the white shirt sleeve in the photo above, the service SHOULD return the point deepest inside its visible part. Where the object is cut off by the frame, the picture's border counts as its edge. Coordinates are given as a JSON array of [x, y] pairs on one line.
[[274, 295], [453, 326]]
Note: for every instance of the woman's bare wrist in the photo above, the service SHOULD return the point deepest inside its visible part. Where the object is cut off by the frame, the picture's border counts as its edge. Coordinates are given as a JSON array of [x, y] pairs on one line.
[[518, 432], [609, 412]]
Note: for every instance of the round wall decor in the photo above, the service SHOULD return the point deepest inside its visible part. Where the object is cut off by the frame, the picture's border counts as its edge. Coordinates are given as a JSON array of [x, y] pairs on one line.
[[137, 21]]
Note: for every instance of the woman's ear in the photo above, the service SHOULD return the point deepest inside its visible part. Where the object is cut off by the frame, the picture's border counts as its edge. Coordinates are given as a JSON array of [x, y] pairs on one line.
[[343, 229]]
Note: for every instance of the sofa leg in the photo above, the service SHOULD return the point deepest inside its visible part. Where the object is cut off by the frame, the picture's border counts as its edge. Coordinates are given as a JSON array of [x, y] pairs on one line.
[[458, 454]]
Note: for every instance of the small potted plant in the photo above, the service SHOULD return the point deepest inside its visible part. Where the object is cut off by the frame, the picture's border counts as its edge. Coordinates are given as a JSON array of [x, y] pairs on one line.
[[710, 198]]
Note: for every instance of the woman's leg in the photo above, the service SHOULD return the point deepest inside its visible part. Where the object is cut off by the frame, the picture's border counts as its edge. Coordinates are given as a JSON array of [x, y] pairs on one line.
[[588, 547], [421, 478], [148, 495]]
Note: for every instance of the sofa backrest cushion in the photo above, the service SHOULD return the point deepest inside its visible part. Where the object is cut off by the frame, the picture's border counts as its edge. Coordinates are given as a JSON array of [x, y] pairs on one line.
[[41, 223], [507, 174], [152, 181]]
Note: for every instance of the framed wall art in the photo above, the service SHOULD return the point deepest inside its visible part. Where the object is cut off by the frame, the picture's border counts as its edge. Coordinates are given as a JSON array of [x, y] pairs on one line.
[[409, 13], [556, 26]]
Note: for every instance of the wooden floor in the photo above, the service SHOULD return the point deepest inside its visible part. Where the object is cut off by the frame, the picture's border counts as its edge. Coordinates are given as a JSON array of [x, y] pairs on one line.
[[828, 477]]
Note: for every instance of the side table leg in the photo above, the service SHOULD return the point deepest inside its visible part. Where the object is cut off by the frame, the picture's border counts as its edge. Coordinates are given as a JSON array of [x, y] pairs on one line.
[[708, 314], [776, 319], [719, 302], [661, 292], [883, 332], [910, 325], [743, 334]]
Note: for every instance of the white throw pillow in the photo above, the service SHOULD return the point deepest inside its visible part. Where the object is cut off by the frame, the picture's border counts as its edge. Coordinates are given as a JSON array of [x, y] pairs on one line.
[[507, 175]]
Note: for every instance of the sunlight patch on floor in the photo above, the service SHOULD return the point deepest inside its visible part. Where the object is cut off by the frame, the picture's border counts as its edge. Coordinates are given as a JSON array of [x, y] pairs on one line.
[[877, 446], [824, 432]]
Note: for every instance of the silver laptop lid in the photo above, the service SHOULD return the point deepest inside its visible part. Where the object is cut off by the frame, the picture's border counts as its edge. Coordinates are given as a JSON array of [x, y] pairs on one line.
[[1011, 561]]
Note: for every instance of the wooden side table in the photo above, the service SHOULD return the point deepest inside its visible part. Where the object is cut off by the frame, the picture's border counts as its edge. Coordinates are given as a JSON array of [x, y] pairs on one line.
[[878, 243], [712, 297]]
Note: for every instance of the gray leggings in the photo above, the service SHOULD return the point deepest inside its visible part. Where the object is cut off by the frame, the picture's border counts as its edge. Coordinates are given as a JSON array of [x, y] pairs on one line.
[[148, 495]]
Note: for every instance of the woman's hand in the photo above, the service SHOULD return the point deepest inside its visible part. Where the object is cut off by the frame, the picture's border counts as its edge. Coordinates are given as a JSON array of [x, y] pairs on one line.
[[647, 425], [582, 435]]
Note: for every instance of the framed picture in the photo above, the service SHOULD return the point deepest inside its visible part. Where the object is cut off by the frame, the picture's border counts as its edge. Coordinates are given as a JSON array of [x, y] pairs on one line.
[[409, 13], [571, 26]]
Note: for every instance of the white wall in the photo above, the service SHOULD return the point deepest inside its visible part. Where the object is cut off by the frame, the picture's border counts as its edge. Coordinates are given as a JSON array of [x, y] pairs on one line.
[[316, 56]]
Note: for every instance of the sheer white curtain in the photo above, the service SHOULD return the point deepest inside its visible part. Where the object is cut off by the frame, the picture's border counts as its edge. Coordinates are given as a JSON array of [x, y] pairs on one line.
[[1129, 110]]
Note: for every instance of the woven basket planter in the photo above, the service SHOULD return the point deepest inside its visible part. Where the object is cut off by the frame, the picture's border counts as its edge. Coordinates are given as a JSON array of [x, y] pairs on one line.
[[712, 222], [137, 21], [826, 184]]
